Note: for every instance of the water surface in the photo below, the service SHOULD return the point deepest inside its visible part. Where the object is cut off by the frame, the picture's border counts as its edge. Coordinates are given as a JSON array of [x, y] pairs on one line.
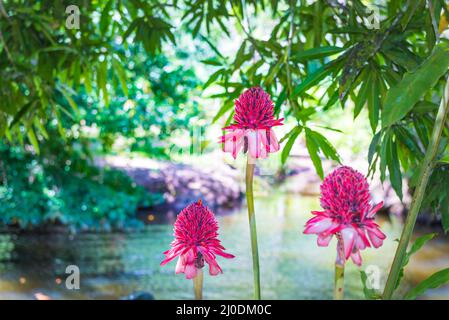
[[115, 265]]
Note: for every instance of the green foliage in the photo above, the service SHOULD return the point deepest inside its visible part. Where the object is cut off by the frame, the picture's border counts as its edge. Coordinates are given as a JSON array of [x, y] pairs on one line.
[[417, 245], [434, 281], [64, 188], [404, 95], [437, 194], [157, 103], [42, 61]]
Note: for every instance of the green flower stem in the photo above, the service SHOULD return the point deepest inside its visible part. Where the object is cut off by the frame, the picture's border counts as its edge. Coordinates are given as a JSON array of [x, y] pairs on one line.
[[339, 281], [418, 195], [252, 225], [198, 285]]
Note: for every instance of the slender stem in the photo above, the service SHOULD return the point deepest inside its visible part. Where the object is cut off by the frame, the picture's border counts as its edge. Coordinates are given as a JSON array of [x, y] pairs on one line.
[[339, 281], [198, 285], [339, 289], [418, 195], [293, 103], [252, 225]]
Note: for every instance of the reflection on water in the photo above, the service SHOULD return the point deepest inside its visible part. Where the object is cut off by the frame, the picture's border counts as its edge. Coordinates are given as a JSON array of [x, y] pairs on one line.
[[115, 265]]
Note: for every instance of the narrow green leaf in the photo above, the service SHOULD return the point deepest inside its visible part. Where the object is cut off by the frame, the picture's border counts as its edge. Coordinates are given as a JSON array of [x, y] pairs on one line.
[[288, 146], [374, 104], [394, 167], [434, 281], [315, 53], [373, 146], [105, 18], [325, 146], [32, 137], [444, 208], [312, 79], [417, 245], [69, 99], [313, 149], [444, 159], [213, 78], [362, 95], [41, 128], [240, 56], [272, 73], [224, 108], [121, 75], [402, 97], [212, 62]]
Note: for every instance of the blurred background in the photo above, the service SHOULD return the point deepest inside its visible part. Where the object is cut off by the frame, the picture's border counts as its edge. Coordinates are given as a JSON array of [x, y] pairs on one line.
[[110, 115]]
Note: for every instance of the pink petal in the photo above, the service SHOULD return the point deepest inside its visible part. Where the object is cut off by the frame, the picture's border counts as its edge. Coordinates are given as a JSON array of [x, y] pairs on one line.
[[269, 140], [356, 258], [274, 143], [375, 240], [324, 239], [374, 210], [319, 226], [349, 236], [232, 142], [214, 268], [190, 271], [180, 266], [190, 256], [254, 143], [362, 241]]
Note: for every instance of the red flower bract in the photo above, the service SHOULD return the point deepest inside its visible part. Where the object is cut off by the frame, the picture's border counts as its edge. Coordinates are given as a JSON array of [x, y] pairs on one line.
[[196, 231], [347, 214], [252, 129]]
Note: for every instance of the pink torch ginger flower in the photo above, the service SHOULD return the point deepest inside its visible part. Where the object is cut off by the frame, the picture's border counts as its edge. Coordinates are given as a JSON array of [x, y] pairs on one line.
[[347, 214], [252, 129], [196, 231]]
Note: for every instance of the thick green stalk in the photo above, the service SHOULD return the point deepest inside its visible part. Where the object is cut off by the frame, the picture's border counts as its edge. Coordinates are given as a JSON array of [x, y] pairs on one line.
[[418, 195], [198, 285], [339, 281], [252, 225]]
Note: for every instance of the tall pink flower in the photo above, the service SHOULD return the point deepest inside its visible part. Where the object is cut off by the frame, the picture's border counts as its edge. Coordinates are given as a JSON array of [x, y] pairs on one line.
[[347, 214], [196, 231], [252, 130]]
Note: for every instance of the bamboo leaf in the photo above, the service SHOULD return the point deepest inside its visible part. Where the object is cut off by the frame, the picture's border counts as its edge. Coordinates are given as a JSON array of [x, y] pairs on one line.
[[121, 75], [403, 96], [311, 80], [32, 138], [417, 245], [373, 146], [444, 208], [316, 53], [362, 95], [434, 281], [313, 149], [288, 146], [394, 167]]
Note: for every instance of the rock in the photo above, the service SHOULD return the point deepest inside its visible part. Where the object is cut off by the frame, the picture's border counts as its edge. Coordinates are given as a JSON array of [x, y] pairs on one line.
[[216, 184]]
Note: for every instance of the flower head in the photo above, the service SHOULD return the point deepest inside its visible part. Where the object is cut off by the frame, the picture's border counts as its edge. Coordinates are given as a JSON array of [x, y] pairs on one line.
[[347, 214], [252, 127], [196, 231]]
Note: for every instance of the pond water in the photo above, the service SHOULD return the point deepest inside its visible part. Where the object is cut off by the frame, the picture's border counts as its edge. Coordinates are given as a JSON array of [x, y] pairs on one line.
[[115, 265]]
